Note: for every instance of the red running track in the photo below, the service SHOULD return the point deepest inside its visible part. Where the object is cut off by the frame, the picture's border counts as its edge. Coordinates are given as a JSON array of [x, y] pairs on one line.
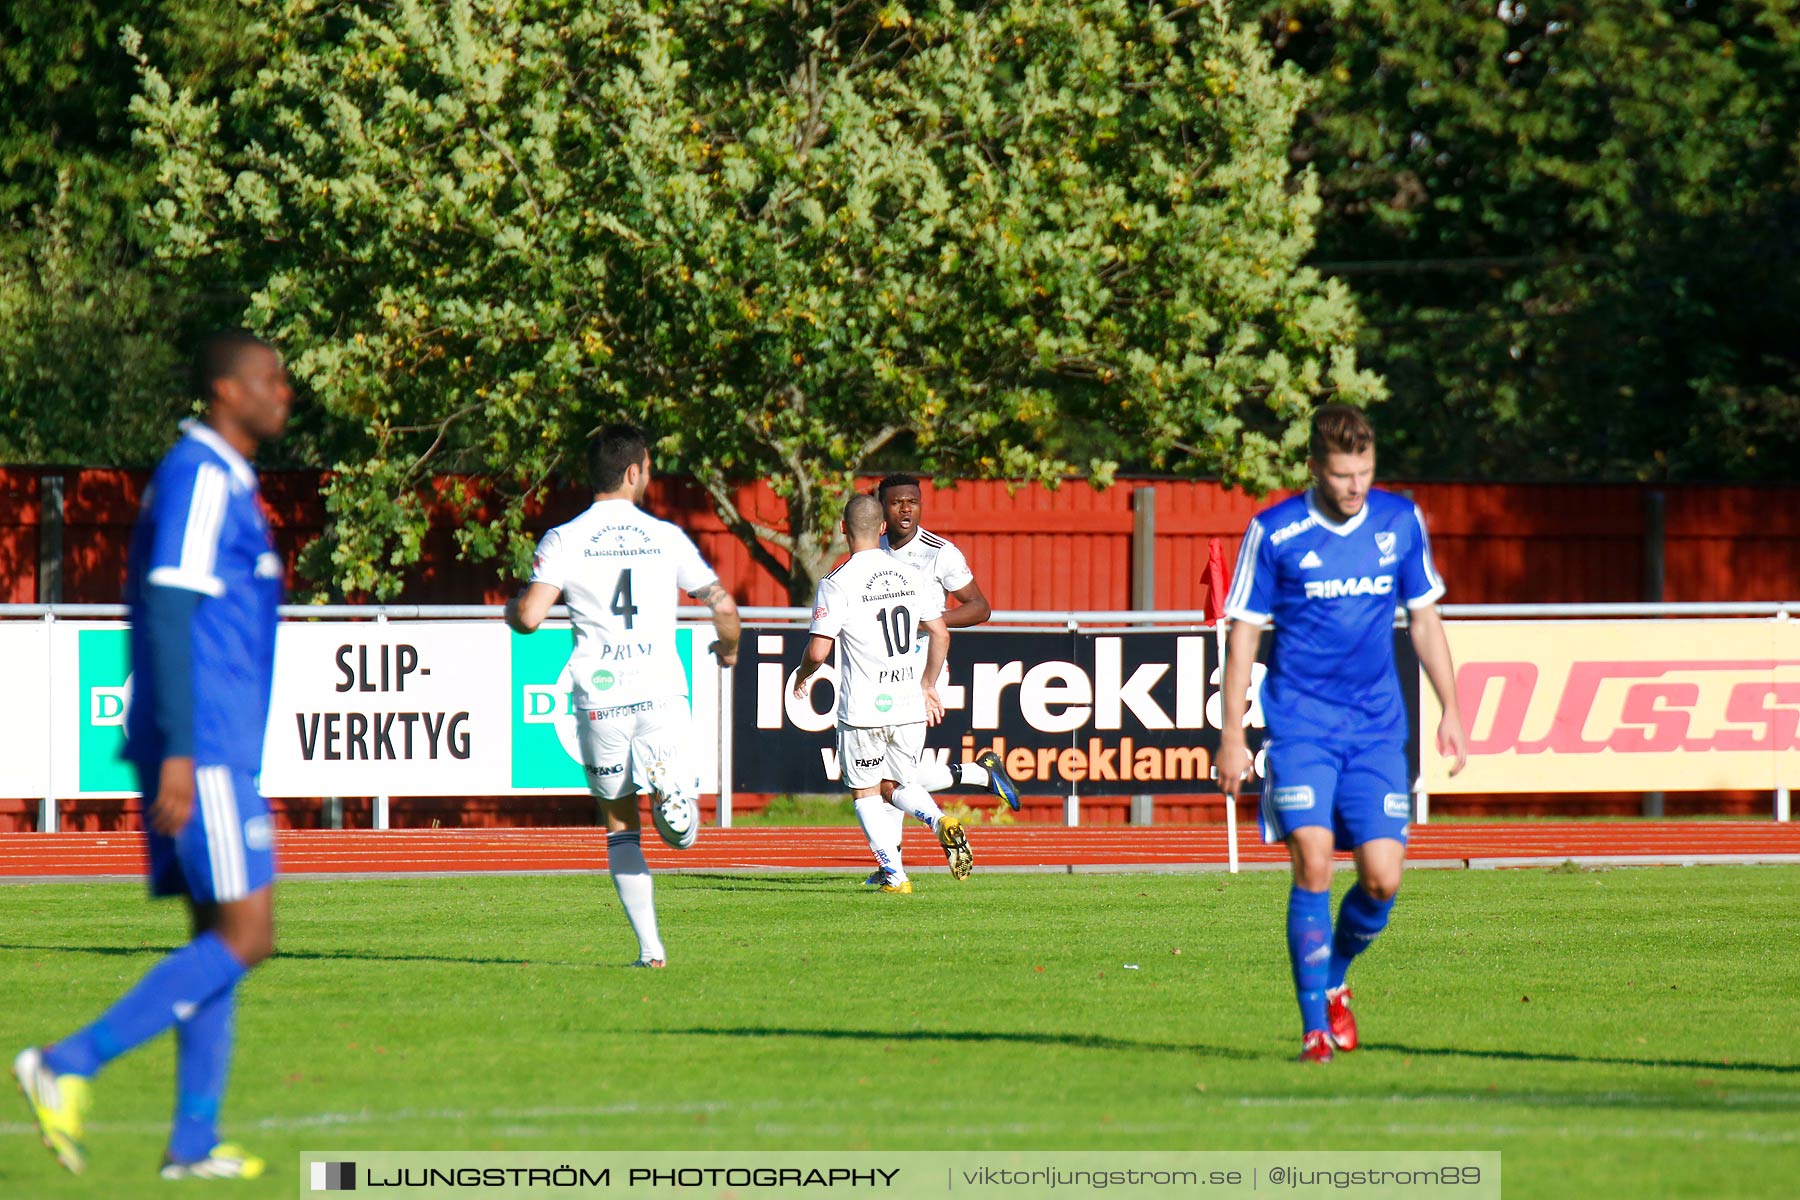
[[1015, 848]]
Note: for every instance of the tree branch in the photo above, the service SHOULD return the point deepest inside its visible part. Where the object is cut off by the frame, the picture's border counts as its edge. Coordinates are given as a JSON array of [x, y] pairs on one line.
[[443, 430], [749, 532], [875, 443], [517, 169]]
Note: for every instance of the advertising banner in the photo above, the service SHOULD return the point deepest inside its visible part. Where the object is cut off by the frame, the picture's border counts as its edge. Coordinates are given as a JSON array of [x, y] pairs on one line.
[[1069, 713], [25, 708], [416, 708], [1594, 706]]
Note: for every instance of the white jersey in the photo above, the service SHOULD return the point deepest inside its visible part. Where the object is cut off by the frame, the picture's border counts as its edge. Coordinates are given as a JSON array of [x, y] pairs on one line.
[[874, 606], [618, 569], [934, 556]]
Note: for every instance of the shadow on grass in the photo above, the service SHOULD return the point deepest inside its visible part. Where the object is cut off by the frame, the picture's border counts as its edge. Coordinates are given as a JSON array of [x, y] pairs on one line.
[[1079, 1041], [1693, 1064], [329, 956], [845, 883]]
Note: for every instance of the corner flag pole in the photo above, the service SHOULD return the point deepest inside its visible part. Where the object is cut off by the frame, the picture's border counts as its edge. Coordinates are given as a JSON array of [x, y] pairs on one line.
[[1216, 585]]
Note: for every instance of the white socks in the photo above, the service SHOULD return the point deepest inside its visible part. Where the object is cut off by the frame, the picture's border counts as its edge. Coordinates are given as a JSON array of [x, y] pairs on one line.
[[915, 801], [881, 824], [940, 777], [631, 875]]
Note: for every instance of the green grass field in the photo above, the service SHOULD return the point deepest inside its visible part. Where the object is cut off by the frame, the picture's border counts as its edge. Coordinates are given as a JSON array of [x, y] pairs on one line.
[[1619, 1033]]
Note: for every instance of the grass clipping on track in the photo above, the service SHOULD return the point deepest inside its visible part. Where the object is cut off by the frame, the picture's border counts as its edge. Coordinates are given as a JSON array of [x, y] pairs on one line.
[[1614, 1033]]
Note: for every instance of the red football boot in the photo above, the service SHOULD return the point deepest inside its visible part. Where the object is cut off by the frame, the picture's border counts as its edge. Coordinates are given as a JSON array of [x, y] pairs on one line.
[[1342, 1020]]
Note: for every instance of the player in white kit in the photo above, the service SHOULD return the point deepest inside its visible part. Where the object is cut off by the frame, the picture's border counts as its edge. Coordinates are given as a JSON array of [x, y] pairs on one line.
[[937, 557], [869, 609], [618, 568]]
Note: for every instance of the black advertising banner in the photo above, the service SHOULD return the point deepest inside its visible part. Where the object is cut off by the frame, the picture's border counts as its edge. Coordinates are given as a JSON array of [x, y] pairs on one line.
[[1098, 713]]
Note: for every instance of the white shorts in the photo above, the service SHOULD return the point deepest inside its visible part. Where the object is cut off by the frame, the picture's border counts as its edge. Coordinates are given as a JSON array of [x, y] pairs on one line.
[[619, 746], [868, 755]]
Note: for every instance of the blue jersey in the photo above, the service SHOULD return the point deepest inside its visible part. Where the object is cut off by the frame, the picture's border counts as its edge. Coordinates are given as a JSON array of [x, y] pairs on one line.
[[201, 528], [1332, 590]]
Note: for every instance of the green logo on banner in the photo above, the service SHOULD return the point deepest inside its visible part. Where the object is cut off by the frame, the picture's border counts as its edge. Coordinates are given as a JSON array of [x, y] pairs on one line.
[[104, 656], [545, 751]]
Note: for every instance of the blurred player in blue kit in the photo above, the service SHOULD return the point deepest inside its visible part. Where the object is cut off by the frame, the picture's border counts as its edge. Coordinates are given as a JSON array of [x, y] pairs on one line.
[[1329, 567], [203, 584]]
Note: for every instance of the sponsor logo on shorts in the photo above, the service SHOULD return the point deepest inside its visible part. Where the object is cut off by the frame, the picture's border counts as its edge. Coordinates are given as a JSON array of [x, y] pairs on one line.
[[1397, 804], [604, 679], [870, 762], [1293, 799], [883, 702], [259, 833], [603, 772]]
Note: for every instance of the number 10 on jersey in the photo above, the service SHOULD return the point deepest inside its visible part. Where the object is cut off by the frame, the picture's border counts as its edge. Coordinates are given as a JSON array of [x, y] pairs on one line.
[[896, 630]]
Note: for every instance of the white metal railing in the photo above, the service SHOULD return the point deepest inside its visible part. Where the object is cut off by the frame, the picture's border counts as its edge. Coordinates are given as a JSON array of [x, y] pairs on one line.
[[1074, 618]]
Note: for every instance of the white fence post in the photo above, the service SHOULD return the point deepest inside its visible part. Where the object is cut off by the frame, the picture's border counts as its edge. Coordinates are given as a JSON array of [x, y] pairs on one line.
[[726, 718], [1782, 808], [1231, 833], [49, 815]]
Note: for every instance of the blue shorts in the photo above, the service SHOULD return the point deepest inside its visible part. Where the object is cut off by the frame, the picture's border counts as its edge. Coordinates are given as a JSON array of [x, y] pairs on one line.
[[226, 850], [1358, 790]]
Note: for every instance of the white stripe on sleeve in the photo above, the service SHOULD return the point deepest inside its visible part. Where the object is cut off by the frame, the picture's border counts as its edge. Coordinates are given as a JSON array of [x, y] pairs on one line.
[[1238, 598], [205, 520], [1432, 577]]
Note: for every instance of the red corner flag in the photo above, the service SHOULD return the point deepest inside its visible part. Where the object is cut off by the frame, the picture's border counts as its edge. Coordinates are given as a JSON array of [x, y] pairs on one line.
[[1216, 580]]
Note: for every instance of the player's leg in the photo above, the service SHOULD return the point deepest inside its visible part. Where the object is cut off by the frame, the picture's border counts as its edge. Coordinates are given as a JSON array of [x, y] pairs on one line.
[[1297, 807], [204, 1038], [985, 772], [906, 751], [606, 756], [1373, 808], [204, 1042], [862, 762], [659, 753], [223, 859]]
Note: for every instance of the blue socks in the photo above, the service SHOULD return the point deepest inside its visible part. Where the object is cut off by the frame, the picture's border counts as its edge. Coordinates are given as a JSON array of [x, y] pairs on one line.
[[202, 1062], [1309, 950], [1360, 918], [175, 989]]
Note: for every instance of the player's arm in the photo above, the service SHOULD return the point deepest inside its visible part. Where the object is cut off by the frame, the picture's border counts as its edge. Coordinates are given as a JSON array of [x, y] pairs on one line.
[[1248, 606], [818, 653], [169, 615], [1433, 648], [527, 610], [189, 513], [1242, 641], [937, 629], [725, 621], [972, 607]]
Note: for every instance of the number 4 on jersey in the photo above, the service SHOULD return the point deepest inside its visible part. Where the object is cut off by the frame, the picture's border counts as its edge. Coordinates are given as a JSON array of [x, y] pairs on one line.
[[622, 606]]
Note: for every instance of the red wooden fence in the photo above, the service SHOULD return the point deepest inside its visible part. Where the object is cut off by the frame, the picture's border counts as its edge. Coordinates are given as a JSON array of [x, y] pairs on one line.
[[1067, 548]]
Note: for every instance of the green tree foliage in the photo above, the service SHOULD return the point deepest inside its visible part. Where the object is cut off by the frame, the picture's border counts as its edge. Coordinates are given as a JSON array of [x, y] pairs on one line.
[[1575, 228], [1010, 239], [90, 328]]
